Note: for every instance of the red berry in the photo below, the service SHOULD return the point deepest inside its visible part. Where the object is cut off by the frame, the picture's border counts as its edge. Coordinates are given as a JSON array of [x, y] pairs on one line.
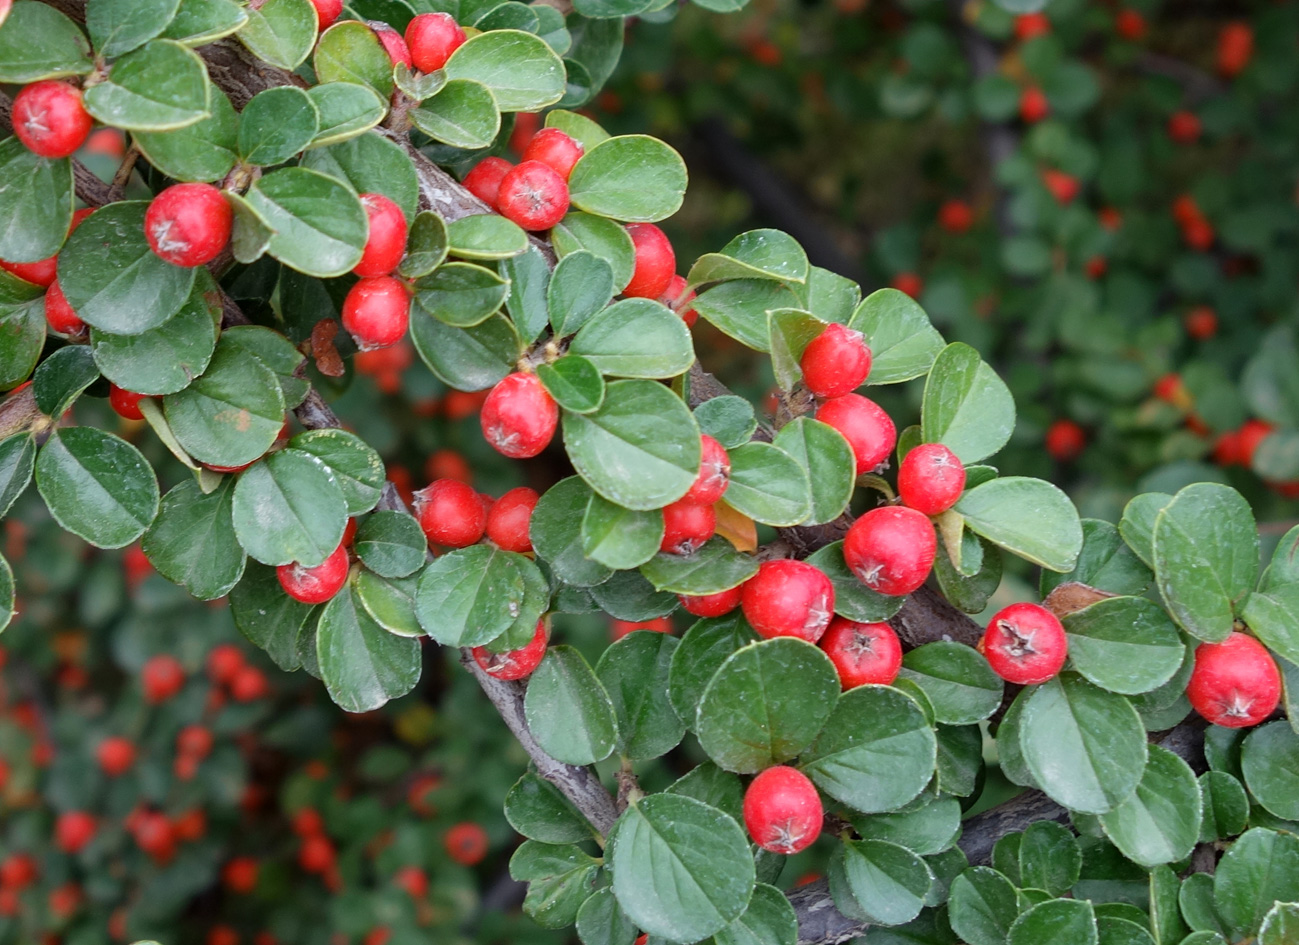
[[188, 224], [484, 181], [466, 843], [125, 403], [414, 880], [788, 598], [509, 518], [1063, 187], [514, 664], [1226, 449], [519, 416], [18, 870], [656, 262], [526, 124], [1031, 25], [73, 830], [909, 283], [249, 685], [163, 677], [1130, 24], [116, 755], [194, 741], [533, 195], [308, 822], [1235, 683], [553, 147], [714, 473], [1184, 127], [394, 45], [955, 216], [1024, 644], [620, 628], [240, 874], [1235, 48], [451, 513], [432, 38], [1201, 323], [712, 605], [930, 479], [865, 426], [222, 935], [316, 855], [1249, 436], [782, 810], [891, 549], [317, 584], [376, 312], [678, 299], [1169, 388], [224, 662], [836, 362], [1109, 218], [1033, 106], [1096, 267], [863, 653], [65, 900], [686, 527], [327, 11], [49, 119], [386, 243], [59, 314], [1065, 440]]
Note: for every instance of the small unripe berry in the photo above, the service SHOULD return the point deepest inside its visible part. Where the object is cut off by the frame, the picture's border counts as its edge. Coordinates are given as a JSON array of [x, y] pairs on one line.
[[163, 677], [712, 605], [863, 653], [1235, 683], [327, 11], [60, 315], [451, 513], [386, 243], [930, 479], [891, 549], [49, 119], [125, 403], [393, 45], [432, 38], [514, 664], [519, 416], [714, 473], [376, 312], [1033, 106], [1025, 644], [555, 148], [788, 598], [317, 584], [656, 262], [74, 830], [223, 663], [782, 810], [115, 755], [864, 424], [466, 843], [188, 224], [955, 216], [686, 527], [509, 519], [836, 362], [484, 181], [533, 195]]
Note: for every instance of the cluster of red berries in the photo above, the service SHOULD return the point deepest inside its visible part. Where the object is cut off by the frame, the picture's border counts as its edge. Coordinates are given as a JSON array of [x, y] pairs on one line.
[[376, 311], [692, 519], [233, 675], [534, 192], [1197, 231], [454, 515], [316, 853]]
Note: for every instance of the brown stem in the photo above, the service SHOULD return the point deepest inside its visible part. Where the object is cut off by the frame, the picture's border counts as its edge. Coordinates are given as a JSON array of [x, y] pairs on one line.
[[123, 175]]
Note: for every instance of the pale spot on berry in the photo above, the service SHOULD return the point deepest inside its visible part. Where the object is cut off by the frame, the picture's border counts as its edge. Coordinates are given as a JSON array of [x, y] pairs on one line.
[[36, 123], [165, 241], [819, 614]]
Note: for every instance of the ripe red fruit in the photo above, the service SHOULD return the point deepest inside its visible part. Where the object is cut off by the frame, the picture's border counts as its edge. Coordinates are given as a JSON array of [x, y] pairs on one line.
[[484, 181], [1109, 218], [163, 677], [836, 362], [1065, 440], [712, 605], [714, 473], [686, 527], [1033, 105], [782, 810], [620, 628], [307, 822], [519, 416], [73, 830], [316, 855], [451, 513], [1226, 449], [394, 45], [327, 11], [865, 425], [18, 870], [1184, 127], [413, 880], [194, 741], [509, 518], [224, 662], [1249, 436], [317, 584], [863, 653], [1198, 234], [656, 262], [1235, 683], [1130, 24], [891, 549], [955, 216], [1031, 25], [466, 843], [1169, 388], [240, 874], [1024, 644], [65, 900], [909, 283], [222, 935], [386, 243], [514, 664], [554, 148], [188, 224], [432, 38], [526, 124], [1201, 323], [376, 312], [1235, 48], [930, 479], [49, 119], [115, 755], [59, 314], [1096, 267], [249, 685], [125, 403], [678, 299], [533, 195], [1063, 187], [788, 598]]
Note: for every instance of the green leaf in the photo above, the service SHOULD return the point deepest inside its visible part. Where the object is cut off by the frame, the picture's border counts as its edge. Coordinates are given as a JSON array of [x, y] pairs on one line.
[[635, 338], [599, 236], [634, 672], [199, 22], [1084, 746], [969, 593], [1225, 805], [1280, 925], [289, 508], [346, 110], [877, 751], [276, 124], [713, 568], [470, 596], [486, 236], [568, 710], [704, 648], [390, 602], [927, 830], [578, 127], [1160, 821], [681, 869], [17, 460], [768, 485], [7, 599], [574, 382], [355, 465], [830, 296], [903, 343], [41, 43], [1137, 526], [535, 808], [461, 294], [791, 331], [113, 280], [1124, 644], [766, 703], [203, 151], [769, 920], [320, 226], [426, 247], [267, 616], [1206, 557], [757, 254], [391, 544], [1259, 870], [629, 177], [628, 596], [62, 377], [369, 164], [580, 287], [97, 486], [463, 114], [879, 882], [349, 51], [620, 538], [1272, 615], [1269, 759], [35, 217], [559, 878], [982, 906], [958, 681], [967, 407], [556, 533], [118, 26], [601, 921], [1055, 922], [852, 598], [192, 541], [281, 32], [1106, 562], [466, 358], [159, 87], [362, 665], [529, 278], [1114, 930], [277, 353], [1028, 517], [727, 419], [740, 309], [522, 72]]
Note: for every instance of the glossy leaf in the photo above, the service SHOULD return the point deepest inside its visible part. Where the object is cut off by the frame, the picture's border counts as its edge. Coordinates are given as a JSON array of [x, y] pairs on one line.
[[522, 72], [620, 538], [192, 541], [568, 710], [757, 254], [880, 882], [1028, 517], [158, 87], [462, 113], [634, 672], [362, 665], [959, 683], [281, 32], [967, 407], [320, 227], [1160, 821], [289, 508], [470, 596], [903, 343], [574, 382], [629, 177], [41, 43], [97, 486], [635, 338], [1124, 644]]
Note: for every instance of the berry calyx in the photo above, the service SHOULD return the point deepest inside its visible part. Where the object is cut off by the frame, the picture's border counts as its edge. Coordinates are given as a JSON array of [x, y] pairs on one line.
[[891, 549], [49, 119], [451, 513], [788, 598], [60, 315], [533, 195], [1033, 106], [1235, 683], [376, 312], [686, 527], [714, 473], [656, 262], [466, 843], [836, 362], [514, 664], [484, 181], [432, 38], [864, 424], [125, 403], [393, 44], [386, 243], [115, 755], [74, 830], [509, 519], [317, 584], [712, 605], [327, 11], [188, 224], [862, 653], [930, 479], [163, 677], [782, 810], [519, 416], [1025, 644], [554, 148]]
